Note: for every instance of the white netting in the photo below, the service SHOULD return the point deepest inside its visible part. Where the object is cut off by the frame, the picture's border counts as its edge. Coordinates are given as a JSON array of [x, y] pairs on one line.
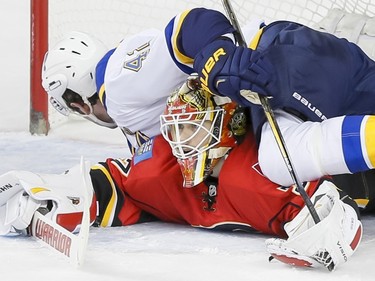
[[112, 20]]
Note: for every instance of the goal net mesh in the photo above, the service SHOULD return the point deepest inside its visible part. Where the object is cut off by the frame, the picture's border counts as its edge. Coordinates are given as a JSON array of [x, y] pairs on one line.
[[112, 20]]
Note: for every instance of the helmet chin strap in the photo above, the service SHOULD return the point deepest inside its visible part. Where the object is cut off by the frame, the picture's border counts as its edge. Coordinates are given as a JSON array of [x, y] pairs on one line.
[[218, 152], [97, 121], [217, 168], [91, 117], [64, 110], [217, 155]]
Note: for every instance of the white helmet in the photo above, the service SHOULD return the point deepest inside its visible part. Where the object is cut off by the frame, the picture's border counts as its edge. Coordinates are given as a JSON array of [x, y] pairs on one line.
[[70, 65]]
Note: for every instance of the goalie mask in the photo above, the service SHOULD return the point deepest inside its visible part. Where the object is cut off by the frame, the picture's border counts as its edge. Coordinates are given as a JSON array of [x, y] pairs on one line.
[[200, 130], [68, 74]]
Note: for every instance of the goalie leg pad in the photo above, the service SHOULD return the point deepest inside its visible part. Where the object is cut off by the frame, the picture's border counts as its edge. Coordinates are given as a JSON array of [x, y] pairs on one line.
[[57, 195], [20, 210], [66, 200], [9, 186], [16, 207]]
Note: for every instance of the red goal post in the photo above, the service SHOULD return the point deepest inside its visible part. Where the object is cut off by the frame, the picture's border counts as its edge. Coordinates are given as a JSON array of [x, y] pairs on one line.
[[39, 123], [112, 20]]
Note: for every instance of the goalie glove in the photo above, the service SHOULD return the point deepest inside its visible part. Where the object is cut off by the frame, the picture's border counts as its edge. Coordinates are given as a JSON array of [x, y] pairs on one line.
[[329, 243], [54, 195]]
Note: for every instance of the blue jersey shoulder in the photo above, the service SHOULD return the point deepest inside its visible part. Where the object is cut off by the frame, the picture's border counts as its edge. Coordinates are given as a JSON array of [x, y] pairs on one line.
[[188, 32], [100, 69]]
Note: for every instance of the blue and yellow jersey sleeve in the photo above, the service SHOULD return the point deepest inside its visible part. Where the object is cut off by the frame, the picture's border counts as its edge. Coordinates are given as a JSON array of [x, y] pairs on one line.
[[187, 33], [99, 75], [358, 143]]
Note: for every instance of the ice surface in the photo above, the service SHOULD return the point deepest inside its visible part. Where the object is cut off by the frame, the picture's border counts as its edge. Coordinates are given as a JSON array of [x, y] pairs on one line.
[[152, 251]]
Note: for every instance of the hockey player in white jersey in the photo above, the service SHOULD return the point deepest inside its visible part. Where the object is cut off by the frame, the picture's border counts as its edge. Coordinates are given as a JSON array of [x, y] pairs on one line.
[[138, 75], [132, 81]]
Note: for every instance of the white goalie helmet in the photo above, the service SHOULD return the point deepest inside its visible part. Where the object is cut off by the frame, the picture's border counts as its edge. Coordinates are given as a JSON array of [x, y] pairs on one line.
[[69, 68], [201, 129]]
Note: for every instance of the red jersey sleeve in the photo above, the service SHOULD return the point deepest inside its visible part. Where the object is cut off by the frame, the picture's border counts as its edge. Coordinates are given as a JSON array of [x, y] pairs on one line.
[[114, 208]]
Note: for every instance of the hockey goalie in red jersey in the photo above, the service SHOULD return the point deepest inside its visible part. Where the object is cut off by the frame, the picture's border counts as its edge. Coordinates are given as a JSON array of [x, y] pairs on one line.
[[202, 171]]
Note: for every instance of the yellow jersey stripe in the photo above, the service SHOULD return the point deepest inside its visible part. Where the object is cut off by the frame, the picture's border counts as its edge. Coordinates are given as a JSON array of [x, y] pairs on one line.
[[111, 207], [370, 139], [176, 31], [255, 41]]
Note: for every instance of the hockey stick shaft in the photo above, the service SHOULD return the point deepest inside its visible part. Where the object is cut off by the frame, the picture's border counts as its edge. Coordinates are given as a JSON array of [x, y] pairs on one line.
[[272, 120]]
